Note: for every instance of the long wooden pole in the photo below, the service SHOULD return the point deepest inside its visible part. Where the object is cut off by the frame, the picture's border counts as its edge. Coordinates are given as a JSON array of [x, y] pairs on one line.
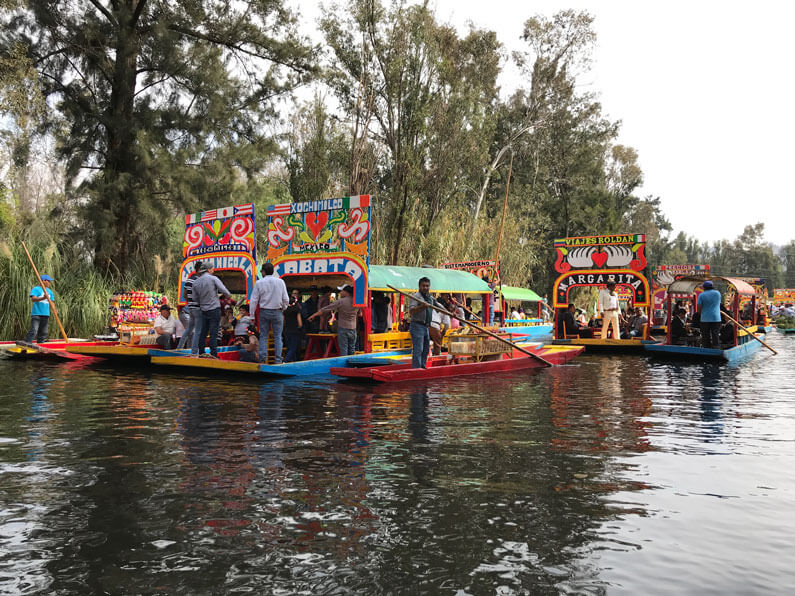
[[481, 329], [43, 289], [748, 331], [504, 210]]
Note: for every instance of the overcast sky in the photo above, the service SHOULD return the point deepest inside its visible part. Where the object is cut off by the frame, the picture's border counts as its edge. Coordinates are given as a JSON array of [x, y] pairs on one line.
[[705, 91]]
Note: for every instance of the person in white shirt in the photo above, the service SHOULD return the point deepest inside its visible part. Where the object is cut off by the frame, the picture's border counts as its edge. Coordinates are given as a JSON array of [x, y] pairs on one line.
[[270, 296], [167, 328], [515, 314], [608, 306]]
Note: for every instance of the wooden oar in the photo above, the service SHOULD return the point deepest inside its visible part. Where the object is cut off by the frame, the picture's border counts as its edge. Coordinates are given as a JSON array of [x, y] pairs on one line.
[[43, 289], [481, 329], [748, 331]]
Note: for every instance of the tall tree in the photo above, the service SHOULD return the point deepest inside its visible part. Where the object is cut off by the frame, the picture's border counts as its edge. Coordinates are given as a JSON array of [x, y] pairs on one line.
[[165, 102], [426, 94]]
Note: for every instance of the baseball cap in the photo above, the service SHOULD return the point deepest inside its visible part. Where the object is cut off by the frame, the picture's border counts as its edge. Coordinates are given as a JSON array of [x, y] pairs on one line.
[[46, 277], [707, 285]]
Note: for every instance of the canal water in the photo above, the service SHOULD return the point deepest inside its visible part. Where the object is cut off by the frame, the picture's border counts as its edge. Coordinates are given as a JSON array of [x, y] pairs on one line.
[[611, 475]]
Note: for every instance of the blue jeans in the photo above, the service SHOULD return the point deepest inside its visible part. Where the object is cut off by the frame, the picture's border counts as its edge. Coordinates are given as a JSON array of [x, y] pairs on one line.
[[420, 344], [209, 322], [39, 328], [346, 338], [190, 330], [293, 345], [270, 318]]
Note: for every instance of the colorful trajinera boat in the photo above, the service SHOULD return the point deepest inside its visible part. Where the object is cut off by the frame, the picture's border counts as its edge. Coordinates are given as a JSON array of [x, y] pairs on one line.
[[736, 343], [494, 359], [593, 261]]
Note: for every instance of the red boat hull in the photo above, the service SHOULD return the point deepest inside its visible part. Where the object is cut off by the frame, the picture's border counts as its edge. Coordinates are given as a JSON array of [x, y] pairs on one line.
[[440, 369]]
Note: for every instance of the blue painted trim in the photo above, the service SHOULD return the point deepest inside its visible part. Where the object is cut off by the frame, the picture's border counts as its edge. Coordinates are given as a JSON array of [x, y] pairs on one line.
[[529, 330], [323, 366]]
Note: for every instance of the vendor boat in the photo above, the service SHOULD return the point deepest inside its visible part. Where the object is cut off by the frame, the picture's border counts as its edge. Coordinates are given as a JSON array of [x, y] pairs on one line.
[[743, 341]]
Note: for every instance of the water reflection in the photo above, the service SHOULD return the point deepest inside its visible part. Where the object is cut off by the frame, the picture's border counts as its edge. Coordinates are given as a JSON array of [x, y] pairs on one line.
[[527, 482]]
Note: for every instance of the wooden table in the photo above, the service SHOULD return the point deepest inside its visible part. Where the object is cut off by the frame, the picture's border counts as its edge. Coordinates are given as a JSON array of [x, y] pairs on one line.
[[321, 345]]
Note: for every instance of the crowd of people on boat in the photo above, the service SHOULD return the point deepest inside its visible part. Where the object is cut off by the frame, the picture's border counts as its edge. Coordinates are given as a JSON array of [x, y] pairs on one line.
[[292, 317]]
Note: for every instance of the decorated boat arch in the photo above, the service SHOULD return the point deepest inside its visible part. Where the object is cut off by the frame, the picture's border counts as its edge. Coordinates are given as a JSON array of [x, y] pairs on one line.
[[224, 239], [662, 277], [594, 261], [322, 243]]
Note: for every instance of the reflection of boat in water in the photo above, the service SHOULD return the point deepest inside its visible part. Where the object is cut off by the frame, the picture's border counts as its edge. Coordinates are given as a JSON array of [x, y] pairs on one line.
[[452, 367], [736, 343]]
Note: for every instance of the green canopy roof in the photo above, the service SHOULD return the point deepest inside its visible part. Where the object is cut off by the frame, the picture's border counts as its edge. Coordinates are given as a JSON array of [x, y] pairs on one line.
[[442, 280], [523, 294]]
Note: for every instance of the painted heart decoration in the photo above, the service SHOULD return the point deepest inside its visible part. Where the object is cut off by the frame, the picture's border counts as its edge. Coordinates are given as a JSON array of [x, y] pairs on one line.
[[316, 222], [599, 258]]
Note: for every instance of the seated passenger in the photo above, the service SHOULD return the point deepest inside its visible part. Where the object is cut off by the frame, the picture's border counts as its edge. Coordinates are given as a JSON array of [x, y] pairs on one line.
[[727, 334], [638, 323], [167, 328], [567, 325], [248, 345], [679, 331], [243, 322]]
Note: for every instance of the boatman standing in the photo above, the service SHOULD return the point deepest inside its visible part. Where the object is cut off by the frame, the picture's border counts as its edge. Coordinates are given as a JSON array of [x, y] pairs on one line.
[[421, 315], [608, 306], [40, 314], [205, 292], [708, 303]]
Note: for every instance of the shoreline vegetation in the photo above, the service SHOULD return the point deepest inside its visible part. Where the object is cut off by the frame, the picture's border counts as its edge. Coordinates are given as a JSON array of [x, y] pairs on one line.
[[109, 137]]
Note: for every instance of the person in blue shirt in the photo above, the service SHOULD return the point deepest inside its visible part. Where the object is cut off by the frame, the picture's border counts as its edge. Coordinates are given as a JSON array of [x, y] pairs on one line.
[[40, 314], [709, 302]]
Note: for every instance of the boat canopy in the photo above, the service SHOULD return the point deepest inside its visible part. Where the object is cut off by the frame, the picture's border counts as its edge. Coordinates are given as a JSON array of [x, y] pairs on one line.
[[688, 285], [523, 294], [442, 280]]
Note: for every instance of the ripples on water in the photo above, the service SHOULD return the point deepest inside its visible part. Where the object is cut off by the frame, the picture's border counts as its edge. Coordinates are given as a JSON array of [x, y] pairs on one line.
[[611, 475]]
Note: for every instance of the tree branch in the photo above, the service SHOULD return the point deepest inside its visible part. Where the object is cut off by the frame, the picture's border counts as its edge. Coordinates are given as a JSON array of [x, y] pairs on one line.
[[104, 11]]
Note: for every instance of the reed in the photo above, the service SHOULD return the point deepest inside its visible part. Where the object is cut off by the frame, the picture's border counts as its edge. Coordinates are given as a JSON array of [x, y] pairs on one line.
[[81, 292]]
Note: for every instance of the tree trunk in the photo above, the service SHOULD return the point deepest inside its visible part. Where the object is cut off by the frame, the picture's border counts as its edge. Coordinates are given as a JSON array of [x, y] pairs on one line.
[[115, 243]]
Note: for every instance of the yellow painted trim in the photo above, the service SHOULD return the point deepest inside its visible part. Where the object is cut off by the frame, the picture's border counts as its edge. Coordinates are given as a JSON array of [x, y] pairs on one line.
[[109, 351], [188, 362]]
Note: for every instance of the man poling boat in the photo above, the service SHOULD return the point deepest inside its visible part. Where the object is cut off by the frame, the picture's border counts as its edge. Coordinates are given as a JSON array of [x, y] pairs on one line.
[[481, 329]]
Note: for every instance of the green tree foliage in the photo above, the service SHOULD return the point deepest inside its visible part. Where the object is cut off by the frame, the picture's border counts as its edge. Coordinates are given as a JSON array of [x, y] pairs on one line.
[[788, 260], [166, 104], [317, 154], [748, 255], [425, 95]]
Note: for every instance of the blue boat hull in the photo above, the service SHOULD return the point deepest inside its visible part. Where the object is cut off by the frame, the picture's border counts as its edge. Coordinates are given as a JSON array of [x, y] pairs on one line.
[[696, 354], [529, 330]]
